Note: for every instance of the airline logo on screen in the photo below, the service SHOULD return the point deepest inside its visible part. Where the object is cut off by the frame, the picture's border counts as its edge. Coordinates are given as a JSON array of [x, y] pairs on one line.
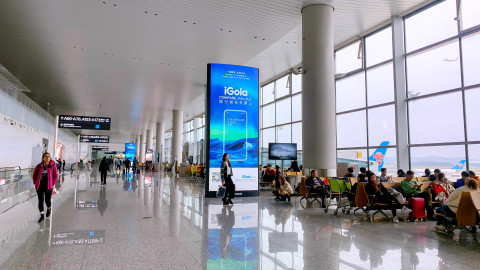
[[235, 92]]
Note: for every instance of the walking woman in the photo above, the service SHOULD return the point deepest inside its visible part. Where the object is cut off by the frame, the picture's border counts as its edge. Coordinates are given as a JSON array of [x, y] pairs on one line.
[[226, 173], [44, 178]]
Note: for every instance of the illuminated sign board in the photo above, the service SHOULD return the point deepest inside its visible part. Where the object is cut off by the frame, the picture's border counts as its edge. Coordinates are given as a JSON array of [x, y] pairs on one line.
[[84, 122], [149, 155], [130, 151], [232, 126], [94, 138], [100, 148]]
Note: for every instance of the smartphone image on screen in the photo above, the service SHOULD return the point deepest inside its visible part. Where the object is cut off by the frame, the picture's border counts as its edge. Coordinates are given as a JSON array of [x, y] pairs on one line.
[[235, 134]]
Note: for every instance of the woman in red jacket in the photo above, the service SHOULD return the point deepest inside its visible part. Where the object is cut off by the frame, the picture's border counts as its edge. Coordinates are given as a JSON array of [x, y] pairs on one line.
[[44, 177]]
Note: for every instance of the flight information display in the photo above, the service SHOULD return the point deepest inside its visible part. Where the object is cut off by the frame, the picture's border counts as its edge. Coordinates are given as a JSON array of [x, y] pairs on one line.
[[94, 138], [100, 148], [232, 126], [84, 122]]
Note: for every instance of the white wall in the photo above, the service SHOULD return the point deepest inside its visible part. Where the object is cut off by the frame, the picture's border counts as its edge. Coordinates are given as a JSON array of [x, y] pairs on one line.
[[23, 125]]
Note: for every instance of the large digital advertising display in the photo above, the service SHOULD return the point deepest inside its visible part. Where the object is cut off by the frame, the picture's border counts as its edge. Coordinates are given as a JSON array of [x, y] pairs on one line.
[[232, 126], [130, 151]]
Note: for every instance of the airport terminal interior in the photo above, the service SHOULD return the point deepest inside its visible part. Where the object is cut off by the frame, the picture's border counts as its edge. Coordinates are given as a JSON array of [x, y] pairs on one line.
[[239, 134]]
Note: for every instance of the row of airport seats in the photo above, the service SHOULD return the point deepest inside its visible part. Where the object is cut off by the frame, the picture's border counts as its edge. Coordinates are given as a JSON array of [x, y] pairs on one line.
[[468, 209]]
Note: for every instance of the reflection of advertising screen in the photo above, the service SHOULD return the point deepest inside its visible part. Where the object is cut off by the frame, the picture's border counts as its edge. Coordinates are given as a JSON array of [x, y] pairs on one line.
[[148, 181], [79, 238], [232, 126], [130, 151], [59, 151], [233, 237]]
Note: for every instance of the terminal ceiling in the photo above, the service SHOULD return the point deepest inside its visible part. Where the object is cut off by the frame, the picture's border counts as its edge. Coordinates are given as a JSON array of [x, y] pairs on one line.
[[135, 61]]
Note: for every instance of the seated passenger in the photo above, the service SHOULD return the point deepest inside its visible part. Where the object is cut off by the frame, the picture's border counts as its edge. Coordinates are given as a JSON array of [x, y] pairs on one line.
[[382, 195], [461, 182], [401, 173], [294, 167], [441, 188], [363, 170], [349, 172], [284, 191], [353, 191], [436, 172], [473, 175], [269, 175], [410, 188], [451, 205], [316, 186], [427, 172], [383, 176]]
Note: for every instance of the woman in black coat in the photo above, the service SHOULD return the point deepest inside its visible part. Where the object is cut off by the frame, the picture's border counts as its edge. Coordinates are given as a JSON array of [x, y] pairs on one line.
[[226, 173]]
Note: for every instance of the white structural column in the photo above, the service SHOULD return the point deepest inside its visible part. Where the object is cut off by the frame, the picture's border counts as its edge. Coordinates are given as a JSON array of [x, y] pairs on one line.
[[177, 135], [141, 156], [149, 142], [318, 86], [55, 138], [400, 93], [160, 140], [137, 145]]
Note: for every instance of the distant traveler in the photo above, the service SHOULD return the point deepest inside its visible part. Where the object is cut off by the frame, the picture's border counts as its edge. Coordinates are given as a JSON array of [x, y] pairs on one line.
[[226, 174], [127, 165], [294, 167], [63, 165], [317, 186], [135, 165], [349, 172], [45, 176], [103, 168], [461, 182], [410, 188], [383, 176], [451, 205]]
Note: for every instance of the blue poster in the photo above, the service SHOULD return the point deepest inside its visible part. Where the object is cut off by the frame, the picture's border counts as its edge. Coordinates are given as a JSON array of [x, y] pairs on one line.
[[232, 102], [130, 151]]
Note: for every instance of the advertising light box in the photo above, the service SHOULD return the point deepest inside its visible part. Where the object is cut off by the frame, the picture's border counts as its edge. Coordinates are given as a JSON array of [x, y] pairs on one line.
[[84, 122], [130, 151], [232, 126], [94, 138]]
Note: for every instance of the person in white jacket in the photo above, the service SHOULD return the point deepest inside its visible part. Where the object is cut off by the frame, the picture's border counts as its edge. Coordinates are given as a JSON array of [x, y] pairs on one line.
[[451, 204], [284, 191]]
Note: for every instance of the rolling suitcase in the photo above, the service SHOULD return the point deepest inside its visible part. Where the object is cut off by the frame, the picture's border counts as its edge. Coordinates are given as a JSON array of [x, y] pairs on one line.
[[138, 171], [418, 208], [221, 191]]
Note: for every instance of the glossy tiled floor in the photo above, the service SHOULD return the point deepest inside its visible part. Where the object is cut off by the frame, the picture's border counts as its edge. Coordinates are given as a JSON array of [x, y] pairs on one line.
[[156, 222]]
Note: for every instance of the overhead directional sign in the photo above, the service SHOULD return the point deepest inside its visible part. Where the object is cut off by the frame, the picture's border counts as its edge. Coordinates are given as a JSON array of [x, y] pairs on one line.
[[84, 122], [100, 148], [95, 138]]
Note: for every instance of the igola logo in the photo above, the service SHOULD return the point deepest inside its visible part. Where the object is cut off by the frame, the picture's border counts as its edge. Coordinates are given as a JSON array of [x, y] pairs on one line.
[[230, 91]]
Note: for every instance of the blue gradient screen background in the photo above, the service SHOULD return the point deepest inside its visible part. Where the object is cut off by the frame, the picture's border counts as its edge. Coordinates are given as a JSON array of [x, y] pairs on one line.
[[233, 124]]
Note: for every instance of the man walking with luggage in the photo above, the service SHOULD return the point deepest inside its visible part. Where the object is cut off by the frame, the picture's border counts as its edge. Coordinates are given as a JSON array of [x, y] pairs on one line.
[[411, 188]]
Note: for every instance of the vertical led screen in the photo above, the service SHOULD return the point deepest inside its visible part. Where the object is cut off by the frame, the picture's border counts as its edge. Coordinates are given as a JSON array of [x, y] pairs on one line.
[[130, 151], [232, 126]]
